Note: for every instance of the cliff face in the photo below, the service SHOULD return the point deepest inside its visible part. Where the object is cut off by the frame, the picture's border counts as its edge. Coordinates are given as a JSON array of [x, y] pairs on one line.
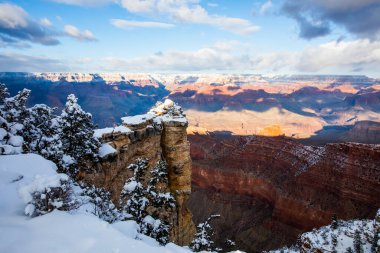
[[153, 138], [300, 186]]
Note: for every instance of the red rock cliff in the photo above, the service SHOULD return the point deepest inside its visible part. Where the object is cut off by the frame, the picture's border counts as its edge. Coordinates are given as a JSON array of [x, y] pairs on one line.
[[302, 186]]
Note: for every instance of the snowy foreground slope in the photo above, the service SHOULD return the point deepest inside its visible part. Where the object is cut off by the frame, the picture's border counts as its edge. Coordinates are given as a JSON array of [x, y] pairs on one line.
[[75, 231], [347, 236]]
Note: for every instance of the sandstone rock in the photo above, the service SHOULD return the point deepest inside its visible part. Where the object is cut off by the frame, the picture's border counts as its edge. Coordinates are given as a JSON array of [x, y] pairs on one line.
[[152, 138]]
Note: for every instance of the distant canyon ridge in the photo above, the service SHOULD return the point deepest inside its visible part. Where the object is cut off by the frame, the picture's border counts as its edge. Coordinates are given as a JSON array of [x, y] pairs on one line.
[[313, 109]]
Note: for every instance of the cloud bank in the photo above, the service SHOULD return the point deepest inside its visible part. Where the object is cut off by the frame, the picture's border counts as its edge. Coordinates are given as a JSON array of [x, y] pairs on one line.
[[16, 26], [315, 17]]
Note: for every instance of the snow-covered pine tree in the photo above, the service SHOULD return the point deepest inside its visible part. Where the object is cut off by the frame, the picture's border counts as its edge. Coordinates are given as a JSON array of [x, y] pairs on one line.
[[334, 222], [13, 112], [202, 240], [3, 93], [103, 207], [76, 134], [358, 245], [135, 192], [15, 109], [162, 201], [157, 184], [41, 133]]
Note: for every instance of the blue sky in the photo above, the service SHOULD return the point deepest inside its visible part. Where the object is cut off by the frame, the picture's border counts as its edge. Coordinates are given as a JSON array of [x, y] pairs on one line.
[[267, 36]]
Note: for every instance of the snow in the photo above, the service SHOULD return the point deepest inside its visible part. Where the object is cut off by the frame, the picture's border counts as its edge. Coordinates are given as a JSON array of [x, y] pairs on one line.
[[322, 238], [16, 141], [98, 133], [130, 186], [168, 118], [67, 160], [3, 133], [106, 149], [137, 119], [58, 231]]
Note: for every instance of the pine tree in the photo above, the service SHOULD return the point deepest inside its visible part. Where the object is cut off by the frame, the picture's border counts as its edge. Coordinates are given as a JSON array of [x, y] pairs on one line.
[[13, 112], [202, 240], [159, 180], [103, 206], [162, 200], [349, 250], [375, 242], [299, 241], [41, 133], [135, 191], [77, 132], [334, 222], [3, 93], [358, 247], [15, 109]]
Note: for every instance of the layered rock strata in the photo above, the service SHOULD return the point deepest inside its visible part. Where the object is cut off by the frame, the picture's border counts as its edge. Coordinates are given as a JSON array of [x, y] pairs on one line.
[[153, 137], [299, 186]]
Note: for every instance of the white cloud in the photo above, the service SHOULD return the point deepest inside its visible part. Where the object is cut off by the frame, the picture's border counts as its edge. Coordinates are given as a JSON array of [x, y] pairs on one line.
[[75, 33], [187, 11], [12, 16], [17, 28], [190, 11], [123, 23], [20, 62], [347, 55], [45, 22], [265, 7], [86, 2], [213, 5], [330, 58]]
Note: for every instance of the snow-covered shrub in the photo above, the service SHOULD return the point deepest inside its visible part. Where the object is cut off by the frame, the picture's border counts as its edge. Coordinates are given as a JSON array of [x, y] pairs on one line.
[[202, 240], [77, 134], [156, 229], [46, 193], [102, 204]]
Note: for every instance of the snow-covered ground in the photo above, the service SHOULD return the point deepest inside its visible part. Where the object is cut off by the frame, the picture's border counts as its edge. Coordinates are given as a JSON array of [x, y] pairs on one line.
[[58, 231], [327, 239]]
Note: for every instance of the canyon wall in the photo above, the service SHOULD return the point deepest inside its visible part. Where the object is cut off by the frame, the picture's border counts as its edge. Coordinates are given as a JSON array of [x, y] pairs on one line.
[[271, 189], [153, 138]]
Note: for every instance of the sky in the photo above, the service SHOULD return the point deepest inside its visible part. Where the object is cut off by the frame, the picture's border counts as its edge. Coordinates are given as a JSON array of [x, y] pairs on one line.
[[191, 36]]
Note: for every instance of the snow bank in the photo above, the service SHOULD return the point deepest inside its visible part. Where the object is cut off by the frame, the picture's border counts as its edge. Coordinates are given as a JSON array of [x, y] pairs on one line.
[[98, 133], [59, 232], [137, 119], [106, 149]]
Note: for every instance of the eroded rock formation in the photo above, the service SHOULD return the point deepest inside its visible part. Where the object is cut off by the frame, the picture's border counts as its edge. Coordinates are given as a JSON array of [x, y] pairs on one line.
[[152, 137], [271, 189]]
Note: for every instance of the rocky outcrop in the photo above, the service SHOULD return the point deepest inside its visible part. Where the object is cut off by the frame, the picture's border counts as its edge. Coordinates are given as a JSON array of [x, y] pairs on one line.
[[152, 137], [300, 186]]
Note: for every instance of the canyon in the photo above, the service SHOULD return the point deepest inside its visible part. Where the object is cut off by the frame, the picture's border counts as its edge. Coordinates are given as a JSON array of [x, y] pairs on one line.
[[301, 107], [269, 153], [269, 189]]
